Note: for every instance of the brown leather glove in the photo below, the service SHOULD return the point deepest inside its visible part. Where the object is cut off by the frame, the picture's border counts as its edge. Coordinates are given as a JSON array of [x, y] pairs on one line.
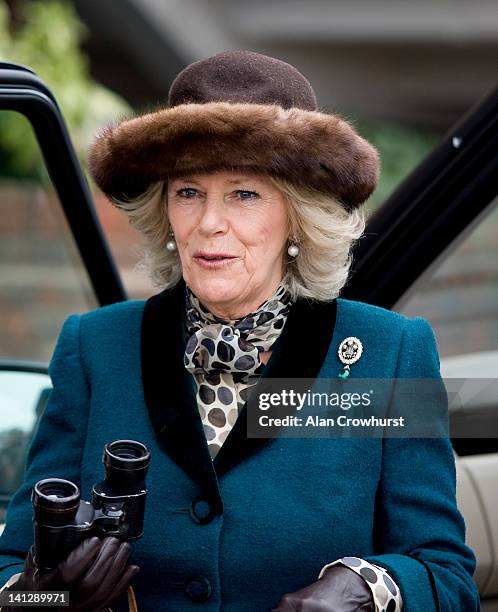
[[94, 573], [339, 590]]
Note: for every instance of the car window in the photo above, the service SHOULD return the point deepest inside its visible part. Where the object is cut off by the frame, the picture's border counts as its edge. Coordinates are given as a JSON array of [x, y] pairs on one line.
[[42, 277], [459, 298], [23, 396]]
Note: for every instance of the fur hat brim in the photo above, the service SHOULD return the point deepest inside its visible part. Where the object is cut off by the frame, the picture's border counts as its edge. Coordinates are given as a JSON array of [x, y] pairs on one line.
[[320, 150]]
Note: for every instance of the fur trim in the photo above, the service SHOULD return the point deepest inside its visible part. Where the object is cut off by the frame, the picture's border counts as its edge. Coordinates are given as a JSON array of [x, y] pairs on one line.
[[308, 147]]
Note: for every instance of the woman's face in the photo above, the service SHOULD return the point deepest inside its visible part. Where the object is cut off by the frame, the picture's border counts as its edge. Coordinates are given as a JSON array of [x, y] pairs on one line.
[[239, 217]]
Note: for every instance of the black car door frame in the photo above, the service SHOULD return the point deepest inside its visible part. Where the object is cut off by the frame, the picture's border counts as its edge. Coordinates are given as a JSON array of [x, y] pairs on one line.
[[440, 201], [23, 91]]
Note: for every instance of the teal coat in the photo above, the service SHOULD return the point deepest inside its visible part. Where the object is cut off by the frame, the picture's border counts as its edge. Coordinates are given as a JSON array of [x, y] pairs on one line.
[[268, 513]]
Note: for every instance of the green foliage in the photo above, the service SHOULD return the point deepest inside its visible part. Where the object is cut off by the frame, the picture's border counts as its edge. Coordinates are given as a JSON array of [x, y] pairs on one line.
[[401, 149], [49, 43]]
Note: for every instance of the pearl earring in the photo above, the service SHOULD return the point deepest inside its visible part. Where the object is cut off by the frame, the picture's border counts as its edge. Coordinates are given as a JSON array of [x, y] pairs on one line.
[[293, 250], [171, 244]]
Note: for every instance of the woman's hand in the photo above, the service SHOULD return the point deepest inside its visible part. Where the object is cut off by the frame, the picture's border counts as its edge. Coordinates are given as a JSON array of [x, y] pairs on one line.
[[94, 573], [339, 590]]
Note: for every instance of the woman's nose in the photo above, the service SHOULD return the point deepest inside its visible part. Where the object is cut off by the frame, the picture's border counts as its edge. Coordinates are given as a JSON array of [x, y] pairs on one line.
[[214, 217]]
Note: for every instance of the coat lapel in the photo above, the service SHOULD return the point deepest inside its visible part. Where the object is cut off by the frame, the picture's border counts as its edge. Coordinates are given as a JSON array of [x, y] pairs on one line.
[[169, 390]]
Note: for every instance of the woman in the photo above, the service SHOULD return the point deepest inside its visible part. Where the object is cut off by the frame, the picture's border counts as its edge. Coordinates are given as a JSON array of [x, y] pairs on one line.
[[249, 200]]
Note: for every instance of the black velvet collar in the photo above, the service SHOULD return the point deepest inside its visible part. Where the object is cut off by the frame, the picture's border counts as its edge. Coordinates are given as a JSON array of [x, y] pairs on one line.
[[170, 393]]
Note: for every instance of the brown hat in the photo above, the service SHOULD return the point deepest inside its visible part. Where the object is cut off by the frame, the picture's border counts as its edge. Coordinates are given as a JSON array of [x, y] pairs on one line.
[[237, 109]]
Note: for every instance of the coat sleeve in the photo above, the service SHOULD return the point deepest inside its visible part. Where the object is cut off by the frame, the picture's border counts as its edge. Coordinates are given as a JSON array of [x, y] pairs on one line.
[[56, 448], [420, 531]]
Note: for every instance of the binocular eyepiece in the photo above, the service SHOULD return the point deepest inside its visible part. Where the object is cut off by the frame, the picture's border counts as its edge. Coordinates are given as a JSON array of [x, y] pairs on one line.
[[62, 520]]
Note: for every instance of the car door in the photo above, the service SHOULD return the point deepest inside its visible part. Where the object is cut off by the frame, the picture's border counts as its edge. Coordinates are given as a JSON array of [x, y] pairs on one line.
[[54, 261], [450, 194]]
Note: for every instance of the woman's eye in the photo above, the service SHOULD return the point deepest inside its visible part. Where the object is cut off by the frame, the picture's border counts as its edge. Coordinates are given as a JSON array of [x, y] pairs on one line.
[[246, 195], [186, 192]]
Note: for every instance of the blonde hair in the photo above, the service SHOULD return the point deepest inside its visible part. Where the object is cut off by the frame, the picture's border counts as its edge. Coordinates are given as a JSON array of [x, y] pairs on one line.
[[318, 223]]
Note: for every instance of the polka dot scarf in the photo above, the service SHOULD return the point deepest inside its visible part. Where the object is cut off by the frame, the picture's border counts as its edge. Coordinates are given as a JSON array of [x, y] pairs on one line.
[[223, 357]]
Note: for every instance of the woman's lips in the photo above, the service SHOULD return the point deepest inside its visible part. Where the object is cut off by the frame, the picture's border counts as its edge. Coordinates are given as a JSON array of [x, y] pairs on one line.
[[214, 262]]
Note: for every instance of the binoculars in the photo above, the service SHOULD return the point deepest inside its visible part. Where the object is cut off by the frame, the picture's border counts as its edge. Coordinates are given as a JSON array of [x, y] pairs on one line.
[[62, 520]]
